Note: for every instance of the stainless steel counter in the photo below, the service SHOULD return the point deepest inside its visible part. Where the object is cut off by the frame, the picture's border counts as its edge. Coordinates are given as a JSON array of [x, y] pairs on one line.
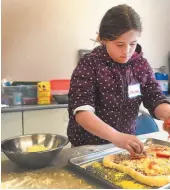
[[58, 175]]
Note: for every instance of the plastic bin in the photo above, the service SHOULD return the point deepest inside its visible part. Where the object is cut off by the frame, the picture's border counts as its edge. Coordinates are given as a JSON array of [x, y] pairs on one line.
[[29, 91], [28, 94], [162, 79], [59, 87]]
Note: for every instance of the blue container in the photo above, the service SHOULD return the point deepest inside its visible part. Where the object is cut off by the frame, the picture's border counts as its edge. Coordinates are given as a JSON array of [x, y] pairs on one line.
[[17, 98], [162, 79]]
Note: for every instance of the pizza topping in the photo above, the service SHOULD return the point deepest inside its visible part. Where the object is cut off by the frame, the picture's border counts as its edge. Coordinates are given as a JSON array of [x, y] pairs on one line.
[[137, 156], [153, 165], [120, 157], [158, 149], [154, 147], [152, 172], [163, 154], [140, 171]]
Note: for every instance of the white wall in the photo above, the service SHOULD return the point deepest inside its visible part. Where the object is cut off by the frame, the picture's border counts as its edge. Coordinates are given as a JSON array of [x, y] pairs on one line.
[[40, 38], [156, 38]]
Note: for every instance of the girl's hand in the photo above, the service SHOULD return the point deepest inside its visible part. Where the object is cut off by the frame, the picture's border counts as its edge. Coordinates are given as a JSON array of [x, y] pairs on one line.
[[129, 142], [166, 125]]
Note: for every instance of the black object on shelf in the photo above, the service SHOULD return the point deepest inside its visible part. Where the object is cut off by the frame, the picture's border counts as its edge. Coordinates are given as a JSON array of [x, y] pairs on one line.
[[61, 99], [17, 83]]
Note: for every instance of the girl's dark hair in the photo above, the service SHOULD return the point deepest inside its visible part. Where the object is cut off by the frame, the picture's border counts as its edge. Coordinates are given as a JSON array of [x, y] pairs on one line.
[[118, 20]]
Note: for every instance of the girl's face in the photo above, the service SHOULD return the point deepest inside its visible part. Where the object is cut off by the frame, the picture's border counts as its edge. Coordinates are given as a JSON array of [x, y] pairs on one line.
[[122, 49]]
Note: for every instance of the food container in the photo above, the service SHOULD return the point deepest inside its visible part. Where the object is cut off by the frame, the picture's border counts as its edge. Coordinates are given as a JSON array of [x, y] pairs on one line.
[[59, 87], [162, 79], [61, 98], [44, 93], [29, 101], [15, 148], [19, 94], [7, 99], [17, 98]]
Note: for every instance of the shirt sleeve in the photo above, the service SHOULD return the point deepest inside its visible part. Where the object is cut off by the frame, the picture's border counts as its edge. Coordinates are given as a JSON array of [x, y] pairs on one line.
[[84, 108], [151, 91], [82, 86]]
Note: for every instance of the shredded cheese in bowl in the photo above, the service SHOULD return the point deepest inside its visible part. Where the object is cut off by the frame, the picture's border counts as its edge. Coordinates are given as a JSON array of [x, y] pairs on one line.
[[36, 148]]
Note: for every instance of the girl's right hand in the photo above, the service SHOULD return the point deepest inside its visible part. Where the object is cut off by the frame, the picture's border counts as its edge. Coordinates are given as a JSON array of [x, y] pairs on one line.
[[129, 142]]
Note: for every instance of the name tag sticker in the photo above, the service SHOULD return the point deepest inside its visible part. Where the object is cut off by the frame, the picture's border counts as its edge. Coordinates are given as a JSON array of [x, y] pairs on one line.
[[134, 90]]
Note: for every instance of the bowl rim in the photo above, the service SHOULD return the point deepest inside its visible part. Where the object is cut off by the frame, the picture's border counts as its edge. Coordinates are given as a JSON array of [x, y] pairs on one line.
[[15, 137]]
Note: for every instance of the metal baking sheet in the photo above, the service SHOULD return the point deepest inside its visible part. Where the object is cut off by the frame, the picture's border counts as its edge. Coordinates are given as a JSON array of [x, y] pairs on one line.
[[81, 163], [157, 141]]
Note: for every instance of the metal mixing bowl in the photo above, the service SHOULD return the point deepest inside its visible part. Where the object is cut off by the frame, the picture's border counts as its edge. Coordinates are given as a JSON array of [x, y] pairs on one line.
[[15, 149]]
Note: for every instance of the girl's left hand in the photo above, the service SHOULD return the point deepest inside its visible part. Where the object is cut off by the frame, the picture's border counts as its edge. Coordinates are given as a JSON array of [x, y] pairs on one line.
[[166, 125]]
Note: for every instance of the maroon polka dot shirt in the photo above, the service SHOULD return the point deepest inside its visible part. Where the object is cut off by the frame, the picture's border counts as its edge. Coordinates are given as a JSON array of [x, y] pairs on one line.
[[101, 83]]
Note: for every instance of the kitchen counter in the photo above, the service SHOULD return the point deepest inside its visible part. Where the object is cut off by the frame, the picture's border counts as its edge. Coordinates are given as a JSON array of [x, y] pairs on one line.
[[59, 174], [38, 107], [32, 107]]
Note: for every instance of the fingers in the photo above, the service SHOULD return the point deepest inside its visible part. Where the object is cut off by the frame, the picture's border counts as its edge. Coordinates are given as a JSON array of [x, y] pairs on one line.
[[168, 130], [137, 146], [130, 149], [166, 127], [167, 122], [131, 143], [141, 146]]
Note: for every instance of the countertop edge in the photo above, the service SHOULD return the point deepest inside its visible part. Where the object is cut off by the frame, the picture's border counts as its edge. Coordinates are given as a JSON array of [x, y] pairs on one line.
[[32, 107]]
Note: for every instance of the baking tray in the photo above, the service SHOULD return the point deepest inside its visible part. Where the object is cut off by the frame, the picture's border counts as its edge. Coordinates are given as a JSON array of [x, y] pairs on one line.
[[83, 164]]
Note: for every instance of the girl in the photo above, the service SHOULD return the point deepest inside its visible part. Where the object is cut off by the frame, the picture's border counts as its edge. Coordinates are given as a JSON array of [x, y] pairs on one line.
[[109, 84]]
